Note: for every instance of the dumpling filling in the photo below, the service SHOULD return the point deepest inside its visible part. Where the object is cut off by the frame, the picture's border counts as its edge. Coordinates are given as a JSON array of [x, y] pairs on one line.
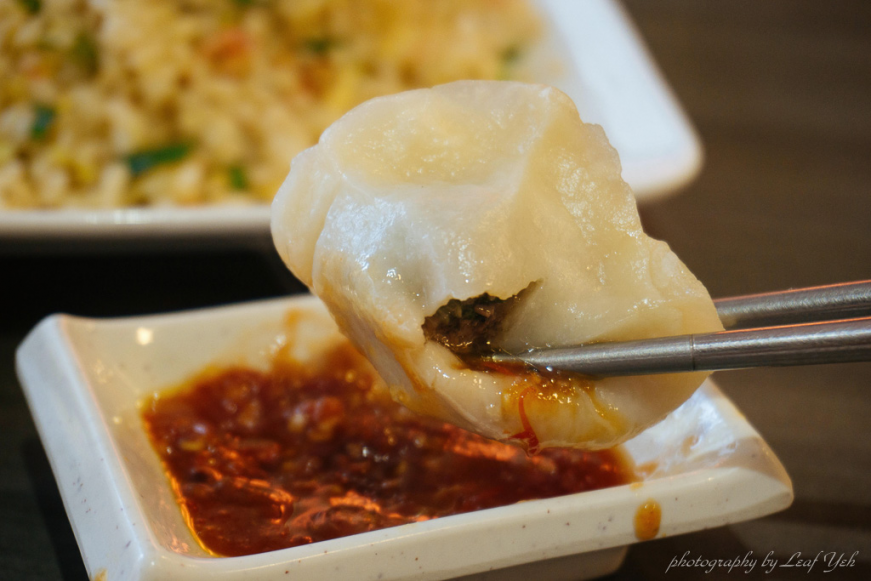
[[441, 223], [468, 327]]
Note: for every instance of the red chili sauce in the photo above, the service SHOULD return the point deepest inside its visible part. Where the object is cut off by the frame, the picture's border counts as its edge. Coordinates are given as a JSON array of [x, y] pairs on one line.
[[264, 461]]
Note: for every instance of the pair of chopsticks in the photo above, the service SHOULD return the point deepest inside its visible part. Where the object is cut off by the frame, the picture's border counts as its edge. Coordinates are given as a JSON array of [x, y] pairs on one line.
[[824, 324]]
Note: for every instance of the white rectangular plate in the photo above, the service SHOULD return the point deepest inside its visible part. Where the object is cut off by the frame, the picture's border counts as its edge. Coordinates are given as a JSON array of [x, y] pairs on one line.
[[608, 72], [84, 379]]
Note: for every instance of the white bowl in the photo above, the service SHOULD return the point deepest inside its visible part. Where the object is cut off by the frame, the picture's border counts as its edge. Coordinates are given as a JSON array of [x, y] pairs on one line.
[[607, 71], [84, 378]]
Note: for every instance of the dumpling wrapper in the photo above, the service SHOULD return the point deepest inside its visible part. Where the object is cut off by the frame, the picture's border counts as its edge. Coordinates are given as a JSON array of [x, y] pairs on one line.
[[414, 199]]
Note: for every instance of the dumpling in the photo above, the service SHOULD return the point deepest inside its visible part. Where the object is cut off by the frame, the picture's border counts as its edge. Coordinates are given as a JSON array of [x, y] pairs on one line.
[[485, 215]]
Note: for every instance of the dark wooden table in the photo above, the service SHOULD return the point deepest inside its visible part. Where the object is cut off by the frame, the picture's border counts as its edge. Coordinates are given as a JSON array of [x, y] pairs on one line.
[[781, 94]]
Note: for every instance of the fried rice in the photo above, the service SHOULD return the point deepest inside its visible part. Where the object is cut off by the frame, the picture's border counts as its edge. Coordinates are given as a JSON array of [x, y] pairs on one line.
[[114, 103]]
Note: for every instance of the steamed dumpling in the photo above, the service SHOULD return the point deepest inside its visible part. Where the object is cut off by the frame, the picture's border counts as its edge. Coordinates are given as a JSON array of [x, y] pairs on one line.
[[486, 215]]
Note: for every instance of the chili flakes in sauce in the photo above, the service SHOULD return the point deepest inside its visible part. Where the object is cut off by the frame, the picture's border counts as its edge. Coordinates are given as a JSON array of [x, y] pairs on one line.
[[264, 461]]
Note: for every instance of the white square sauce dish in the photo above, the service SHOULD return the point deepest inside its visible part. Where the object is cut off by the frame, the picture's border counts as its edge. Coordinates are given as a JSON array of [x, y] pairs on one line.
[[703, 466]]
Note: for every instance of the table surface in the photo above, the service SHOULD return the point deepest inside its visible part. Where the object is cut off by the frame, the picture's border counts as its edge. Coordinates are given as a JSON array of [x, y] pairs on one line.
[[780, 92]]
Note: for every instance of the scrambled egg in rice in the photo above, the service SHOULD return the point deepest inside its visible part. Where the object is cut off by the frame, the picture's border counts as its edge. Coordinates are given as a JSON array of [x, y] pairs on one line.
[[107, 103]]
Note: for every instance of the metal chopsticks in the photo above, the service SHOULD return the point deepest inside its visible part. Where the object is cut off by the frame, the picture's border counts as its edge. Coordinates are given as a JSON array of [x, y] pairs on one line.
[[818, 303], [831, 341]]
